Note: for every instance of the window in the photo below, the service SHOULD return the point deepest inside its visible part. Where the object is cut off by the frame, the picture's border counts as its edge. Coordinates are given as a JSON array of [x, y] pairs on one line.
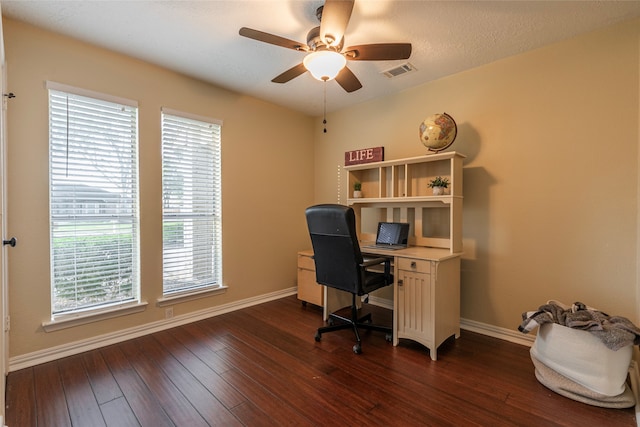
[[191, 211], [93, 145]]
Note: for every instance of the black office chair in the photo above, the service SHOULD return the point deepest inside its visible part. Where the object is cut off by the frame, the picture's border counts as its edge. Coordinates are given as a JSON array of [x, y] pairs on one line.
[[339, 264]]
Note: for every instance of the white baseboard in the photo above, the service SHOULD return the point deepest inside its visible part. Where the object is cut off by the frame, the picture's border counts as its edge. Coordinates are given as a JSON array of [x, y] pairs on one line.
[[505, 334], [65, 350]]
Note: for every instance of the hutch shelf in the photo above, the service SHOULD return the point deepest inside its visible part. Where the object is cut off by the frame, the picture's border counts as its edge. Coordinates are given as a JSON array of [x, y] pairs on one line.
[[398, 190]]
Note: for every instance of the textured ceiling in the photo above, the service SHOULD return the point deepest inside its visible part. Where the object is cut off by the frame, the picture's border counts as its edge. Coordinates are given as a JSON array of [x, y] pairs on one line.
[[200, 38]]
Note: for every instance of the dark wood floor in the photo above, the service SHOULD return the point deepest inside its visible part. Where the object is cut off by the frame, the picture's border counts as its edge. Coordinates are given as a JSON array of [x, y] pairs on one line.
[[260, 366]]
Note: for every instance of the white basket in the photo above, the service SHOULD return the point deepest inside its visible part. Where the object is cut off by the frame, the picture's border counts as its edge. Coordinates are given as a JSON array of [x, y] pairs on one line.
[[583, 358]]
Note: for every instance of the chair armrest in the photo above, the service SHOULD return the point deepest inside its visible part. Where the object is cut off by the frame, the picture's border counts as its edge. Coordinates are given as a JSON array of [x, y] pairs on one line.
[[378, 261]]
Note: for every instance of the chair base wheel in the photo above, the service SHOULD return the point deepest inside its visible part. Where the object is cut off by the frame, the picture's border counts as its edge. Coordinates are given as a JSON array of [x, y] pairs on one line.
[[357, 349], [388, 337], [317, 337]]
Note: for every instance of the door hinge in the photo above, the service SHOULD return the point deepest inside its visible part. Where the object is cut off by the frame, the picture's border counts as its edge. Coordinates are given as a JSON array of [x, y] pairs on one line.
[[7, 324]]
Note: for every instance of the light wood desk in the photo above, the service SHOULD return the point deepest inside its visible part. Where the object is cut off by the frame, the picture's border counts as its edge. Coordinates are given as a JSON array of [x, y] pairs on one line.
[[426, 303], [426, 296]]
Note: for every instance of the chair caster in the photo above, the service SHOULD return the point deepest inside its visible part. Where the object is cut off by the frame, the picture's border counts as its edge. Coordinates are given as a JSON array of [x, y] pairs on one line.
[[388, 337], [357, 349], [317, 337]]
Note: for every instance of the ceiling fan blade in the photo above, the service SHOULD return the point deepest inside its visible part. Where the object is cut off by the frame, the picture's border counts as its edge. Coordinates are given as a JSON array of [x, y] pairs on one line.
[[290, 74], [272, 39], [348, 80], [378, 52], [335, 18]]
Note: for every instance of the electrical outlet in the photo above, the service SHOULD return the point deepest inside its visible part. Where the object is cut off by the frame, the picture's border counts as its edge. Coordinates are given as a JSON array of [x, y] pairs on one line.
[[168, 312]]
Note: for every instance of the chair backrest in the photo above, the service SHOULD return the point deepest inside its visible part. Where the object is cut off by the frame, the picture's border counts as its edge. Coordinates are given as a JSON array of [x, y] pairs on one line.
[[336, 251]]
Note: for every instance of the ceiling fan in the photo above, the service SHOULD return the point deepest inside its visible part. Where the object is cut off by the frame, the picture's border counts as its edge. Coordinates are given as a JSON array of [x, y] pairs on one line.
[[324, 47]]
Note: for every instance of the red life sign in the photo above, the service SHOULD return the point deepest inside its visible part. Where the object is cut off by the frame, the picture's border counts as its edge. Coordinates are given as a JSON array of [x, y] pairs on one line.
[[365, 155]]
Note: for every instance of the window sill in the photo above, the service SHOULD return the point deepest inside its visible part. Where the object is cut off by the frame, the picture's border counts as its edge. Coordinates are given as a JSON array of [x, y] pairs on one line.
[[180, 297], [70, 320]]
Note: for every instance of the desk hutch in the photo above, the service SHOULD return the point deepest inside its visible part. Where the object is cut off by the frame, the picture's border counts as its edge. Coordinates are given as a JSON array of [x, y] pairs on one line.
[[426, 302]]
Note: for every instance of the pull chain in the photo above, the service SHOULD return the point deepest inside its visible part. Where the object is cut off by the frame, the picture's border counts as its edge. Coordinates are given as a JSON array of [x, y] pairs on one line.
[[66, 174], [324, 117]]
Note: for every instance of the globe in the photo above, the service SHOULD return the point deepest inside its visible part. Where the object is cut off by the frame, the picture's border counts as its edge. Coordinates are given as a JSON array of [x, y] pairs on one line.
[[438, 131]]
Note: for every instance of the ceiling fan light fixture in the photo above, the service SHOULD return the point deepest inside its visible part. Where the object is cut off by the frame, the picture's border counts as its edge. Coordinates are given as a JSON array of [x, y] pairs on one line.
[[324, 64]]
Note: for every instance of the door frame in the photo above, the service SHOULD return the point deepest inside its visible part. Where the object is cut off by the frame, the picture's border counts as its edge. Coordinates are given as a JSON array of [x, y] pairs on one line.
[[4, 291]]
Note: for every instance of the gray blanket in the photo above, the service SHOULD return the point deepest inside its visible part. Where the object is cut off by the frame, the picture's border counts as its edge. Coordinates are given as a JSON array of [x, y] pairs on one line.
[[614, 331]]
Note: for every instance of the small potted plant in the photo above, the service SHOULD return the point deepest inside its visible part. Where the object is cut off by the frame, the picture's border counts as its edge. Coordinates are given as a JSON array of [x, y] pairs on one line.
[[357, 190], [438, 184]]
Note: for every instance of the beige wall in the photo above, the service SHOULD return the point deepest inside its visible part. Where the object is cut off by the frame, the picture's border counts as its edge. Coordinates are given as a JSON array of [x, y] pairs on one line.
[[267, 176], [551, 175]]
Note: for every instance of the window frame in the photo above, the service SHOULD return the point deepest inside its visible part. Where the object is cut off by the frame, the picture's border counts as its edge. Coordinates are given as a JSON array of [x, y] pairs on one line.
[[169, 119], [130, 215]]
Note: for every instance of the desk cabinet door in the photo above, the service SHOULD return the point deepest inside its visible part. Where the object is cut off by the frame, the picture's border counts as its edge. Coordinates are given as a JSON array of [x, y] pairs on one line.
[[414, 307]]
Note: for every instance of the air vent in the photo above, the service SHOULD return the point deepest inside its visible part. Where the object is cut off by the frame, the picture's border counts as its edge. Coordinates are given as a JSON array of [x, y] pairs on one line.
[[399, 70]]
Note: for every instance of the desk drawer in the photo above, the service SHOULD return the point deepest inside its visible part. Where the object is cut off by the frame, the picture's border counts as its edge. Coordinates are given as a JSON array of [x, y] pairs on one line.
[[419, 266], [306, 262]]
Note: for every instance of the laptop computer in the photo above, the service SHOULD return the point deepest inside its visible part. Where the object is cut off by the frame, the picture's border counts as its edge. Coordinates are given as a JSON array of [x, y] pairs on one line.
[[391, 235]]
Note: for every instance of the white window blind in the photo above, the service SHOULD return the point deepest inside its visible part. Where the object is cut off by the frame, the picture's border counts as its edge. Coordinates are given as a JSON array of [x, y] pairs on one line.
[[93, 202], [191, 208]]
